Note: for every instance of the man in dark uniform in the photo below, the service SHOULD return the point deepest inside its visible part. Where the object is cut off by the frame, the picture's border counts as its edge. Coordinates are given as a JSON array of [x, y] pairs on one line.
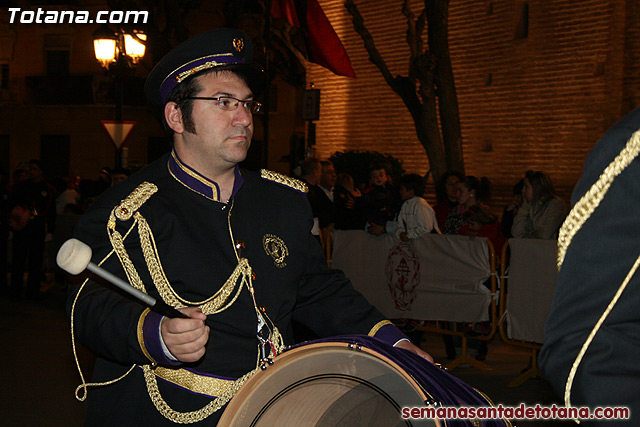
[[592, 336], [232, 246]]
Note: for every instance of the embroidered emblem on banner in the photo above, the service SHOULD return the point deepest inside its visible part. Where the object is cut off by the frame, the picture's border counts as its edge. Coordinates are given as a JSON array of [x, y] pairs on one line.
[[403, 275], [276, 249]]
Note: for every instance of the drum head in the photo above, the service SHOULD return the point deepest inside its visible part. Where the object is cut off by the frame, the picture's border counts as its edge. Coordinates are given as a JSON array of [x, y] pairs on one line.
[[326, 384]]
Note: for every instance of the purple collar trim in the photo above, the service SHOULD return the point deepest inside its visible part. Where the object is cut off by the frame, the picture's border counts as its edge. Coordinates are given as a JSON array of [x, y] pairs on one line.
[[198, 183]]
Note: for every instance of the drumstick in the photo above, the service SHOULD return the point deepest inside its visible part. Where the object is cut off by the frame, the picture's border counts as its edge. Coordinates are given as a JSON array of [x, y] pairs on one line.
[[75, 256]]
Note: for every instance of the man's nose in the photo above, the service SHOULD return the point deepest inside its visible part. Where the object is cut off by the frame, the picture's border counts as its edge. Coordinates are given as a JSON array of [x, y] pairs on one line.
[[242, 116]]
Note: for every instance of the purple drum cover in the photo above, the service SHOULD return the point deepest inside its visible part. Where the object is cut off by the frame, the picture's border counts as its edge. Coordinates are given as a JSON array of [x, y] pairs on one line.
[[446, 389]]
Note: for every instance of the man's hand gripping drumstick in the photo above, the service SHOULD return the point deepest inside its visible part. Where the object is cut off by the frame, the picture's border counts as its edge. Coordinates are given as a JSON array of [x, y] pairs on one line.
[[183, 331]]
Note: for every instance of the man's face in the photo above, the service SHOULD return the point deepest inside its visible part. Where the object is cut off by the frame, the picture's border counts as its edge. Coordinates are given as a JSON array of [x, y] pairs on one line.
[[328, 177], [379, 177], [222, 138]]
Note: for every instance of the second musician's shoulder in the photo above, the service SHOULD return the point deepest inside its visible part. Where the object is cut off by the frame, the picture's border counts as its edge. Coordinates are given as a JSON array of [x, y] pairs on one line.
[[283, 181]]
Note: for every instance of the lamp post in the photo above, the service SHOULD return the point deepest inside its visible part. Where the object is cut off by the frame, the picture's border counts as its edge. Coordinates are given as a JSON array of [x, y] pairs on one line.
[[119, 50]]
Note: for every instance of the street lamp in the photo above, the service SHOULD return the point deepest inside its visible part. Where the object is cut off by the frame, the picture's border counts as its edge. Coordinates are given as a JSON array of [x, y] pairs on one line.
[[122, 49]]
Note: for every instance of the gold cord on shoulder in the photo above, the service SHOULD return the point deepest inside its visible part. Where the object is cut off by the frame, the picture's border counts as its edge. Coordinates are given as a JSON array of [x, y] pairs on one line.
[[592, 198], [576, 219], [133, 201], [294, 183]]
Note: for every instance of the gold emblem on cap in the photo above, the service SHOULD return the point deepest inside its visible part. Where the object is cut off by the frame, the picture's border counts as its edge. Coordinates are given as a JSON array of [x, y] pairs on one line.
[[238, 44], [276, 249]]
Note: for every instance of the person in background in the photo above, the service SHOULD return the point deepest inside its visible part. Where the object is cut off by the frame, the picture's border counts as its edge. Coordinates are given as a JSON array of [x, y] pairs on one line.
[[311, 169], [326, 205], [118, 175], [346, 200], [69, 196], [482, 223], [19, 175], [469, 191], [33, 216], [447, 199], [542, 212], [104, 180], [511, 209], [4, 229], [328, 179], [380, 202], [416, 217]]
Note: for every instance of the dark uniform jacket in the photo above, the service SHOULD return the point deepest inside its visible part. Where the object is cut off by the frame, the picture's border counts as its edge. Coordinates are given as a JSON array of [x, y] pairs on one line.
[[600, 256], [195, 236]]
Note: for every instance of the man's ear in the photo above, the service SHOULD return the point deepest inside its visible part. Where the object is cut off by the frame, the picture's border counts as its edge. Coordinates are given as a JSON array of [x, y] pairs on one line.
[[173, 116]]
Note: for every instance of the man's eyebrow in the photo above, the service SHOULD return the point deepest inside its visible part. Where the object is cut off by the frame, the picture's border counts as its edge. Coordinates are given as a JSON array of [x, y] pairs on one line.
[[230, 95]]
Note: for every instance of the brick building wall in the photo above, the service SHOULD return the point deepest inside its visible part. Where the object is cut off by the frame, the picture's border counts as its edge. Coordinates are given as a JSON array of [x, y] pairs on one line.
[[535, 102]]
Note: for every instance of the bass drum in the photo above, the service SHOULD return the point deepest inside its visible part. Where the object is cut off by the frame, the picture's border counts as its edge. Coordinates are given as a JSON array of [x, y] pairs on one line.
[[344, 381]]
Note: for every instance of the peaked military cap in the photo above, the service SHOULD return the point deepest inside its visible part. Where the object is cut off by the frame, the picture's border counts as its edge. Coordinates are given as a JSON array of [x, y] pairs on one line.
[[222, 48]]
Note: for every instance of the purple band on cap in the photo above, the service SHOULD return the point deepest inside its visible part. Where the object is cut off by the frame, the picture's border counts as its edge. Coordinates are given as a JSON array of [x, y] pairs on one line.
[[197, 65]]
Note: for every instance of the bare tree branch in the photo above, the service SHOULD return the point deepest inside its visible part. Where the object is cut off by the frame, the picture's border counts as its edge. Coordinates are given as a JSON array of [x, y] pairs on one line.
[[430, 68], [374, 54]]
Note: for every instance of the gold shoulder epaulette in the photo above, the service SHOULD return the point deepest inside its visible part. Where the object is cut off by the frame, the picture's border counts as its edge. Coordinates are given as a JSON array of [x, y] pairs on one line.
[[278, 178], [133, 201]]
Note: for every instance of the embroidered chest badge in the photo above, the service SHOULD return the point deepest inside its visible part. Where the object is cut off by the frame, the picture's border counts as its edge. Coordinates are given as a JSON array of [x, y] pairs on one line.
[[276, 249]]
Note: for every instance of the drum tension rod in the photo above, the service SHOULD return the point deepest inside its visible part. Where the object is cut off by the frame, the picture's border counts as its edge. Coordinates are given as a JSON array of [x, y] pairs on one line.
[[266, 349]]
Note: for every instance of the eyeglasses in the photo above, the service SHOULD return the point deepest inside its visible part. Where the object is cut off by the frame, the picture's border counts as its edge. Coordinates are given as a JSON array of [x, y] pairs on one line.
[[229, 103]]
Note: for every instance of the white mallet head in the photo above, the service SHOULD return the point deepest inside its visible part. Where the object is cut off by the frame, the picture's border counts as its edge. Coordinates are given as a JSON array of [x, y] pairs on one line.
[[74, 256]]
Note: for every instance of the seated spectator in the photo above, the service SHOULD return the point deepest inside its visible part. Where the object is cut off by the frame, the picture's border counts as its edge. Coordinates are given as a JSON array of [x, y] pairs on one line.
[[345, 197], [380, 202], [542, 212], [446, 196], [416, 216], [511, 209]]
